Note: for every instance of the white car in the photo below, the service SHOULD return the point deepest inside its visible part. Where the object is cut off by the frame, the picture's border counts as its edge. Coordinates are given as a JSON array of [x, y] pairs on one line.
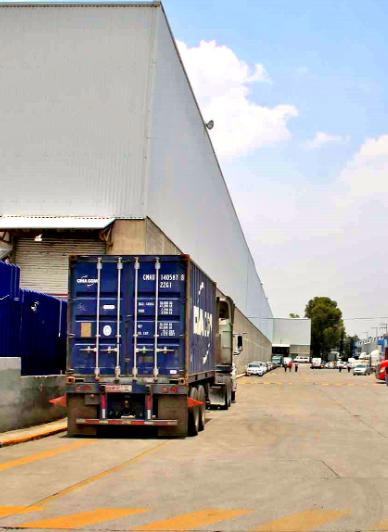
[[361, 370], [299, 359], [255, 368]]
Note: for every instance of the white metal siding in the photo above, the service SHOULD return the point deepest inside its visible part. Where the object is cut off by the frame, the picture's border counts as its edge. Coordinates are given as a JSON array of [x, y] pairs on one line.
[[73, 105], [187, 196], [45, 265], [292, 331], [77, 136]]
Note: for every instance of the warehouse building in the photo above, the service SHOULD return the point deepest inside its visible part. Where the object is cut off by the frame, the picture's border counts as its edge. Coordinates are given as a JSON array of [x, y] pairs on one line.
[[104, 150], [291, 336]]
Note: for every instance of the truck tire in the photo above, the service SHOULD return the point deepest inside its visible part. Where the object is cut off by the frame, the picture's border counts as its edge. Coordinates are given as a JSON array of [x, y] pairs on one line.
[[227, 397], [193, 413], [76, 408], [202, 408]]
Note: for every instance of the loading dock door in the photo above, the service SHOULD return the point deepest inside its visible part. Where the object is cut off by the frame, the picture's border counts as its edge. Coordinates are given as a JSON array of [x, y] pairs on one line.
[[44, 265]]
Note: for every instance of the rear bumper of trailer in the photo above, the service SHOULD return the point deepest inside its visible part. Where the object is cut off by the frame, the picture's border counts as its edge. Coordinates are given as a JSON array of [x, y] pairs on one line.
[[126, 422]]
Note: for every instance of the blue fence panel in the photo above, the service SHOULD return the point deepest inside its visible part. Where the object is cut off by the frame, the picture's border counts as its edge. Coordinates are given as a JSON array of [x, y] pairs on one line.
[[9, 309], [32, 325], [42, 334]]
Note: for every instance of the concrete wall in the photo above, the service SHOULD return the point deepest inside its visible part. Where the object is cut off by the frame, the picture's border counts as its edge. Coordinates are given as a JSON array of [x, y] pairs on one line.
[[139, 236], [256, 345], [24, 401]]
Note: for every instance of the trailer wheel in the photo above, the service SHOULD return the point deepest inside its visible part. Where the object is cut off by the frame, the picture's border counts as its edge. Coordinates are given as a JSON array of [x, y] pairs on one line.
[[202, 408], [193, 413]]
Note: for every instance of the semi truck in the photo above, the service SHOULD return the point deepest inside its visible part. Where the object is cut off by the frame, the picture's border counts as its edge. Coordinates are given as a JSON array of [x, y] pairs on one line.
[[149, 344]]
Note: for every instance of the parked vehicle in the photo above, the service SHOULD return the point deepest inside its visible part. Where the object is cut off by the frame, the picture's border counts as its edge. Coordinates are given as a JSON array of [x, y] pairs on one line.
[[269, 365], [277, 360], [150, 344], [380, 370], [255, 368], [361, 369], [342, 364], [299, 359], [316, 363]]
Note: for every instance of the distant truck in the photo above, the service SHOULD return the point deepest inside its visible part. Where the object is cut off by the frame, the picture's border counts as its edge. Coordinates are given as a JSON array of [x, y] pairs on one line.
[[277, 360], [149, 344]]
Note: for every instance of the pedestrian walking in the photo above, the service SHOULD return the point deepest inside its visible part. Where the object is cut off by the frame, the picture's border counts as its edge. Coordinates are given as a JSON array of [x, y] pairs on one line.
[[296, 368], [290, 365], [340, 368], [285, 367], [349, 368]]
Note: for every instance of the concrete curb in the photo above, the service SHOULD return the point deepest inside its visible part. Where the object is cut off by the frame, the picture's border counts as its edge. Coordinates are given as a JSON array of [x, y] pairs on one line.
[[32, 433]]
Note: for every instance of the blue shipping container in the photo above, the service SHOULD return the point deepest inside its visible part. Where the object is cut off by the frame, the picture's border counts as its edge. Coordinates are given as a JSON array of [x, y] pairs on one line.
[[115, 330]]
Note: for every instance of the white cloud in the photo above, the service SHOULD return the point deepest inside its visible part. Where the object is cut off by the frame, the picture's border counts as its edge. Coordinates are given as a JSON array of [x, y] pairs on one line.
[[366, 175], [221, 83], [321, 139], [326, 239]]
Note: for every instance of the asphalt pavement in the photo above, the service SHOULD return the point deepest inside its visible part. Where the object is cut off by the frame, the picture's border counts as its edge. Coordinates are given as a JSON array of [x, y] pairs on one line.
[[299, 451]]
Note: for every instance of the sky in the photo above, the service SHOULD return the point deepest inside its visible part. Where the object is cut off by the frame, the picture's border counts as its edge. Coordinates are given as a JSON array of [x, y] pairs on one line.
[[298, 92]]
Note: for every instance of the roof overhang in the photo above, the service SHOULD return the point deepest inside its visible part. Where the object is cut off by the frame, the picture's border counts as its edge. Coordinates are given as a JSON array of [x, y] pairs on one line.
[[280, 345], [53, 222]]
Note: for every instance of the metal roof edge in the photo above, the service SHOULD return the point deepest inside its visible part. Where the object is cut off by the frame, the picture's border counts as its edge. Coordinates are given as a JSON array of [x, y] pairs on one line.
[[81, 4]]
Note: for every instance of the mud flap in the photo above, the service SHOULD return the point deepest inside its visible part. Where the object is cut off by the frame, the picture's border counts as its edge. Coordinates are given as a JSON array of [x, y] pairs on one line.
[[217, 394], [76, 408], [173, 407]]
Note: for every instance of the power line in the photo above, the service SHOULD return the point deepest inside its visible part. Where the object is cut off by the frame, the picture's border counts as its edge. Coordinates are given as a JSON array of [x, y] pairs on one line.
[[347, 319]]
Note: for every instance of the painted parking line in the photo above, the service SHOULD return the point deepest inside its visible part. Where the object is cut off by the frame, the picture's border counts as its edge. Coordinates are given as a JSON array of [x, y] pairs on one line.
[[301, 521], [5, 511], [193, 520], [17, 462], [78, 520]]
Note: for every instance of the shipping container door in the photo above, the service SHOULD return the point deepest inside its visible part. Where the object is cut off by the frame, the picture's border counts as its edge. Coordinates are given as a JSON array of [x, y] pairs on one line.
[[99, 315], [158, 282]]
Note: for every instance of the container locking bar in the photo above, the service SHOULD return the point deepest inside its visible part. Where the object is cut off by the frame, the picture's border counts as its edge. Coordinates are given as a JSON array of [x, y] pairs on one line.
[[118, 336], [135, 349], [157, 268], [99, 268]]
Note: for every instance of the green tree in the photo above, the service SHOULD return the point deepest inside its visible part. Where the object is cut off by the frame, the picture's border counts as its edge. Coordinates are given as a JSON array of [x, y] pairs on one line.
[[327, 327], [293, 315]]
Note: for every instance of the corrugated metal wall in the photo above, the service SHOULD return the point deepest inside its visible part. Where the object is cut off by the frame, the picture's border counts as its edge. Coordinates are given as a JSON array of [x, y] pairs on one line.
[[45, 265], [95, 110], [184, 172], [73, 106], [296, 331]]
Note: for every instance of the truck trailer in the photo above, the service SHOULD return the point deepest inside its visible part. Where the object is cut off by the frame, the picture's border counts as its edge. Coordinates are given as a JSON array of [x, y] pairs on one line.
[[149, 344]]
